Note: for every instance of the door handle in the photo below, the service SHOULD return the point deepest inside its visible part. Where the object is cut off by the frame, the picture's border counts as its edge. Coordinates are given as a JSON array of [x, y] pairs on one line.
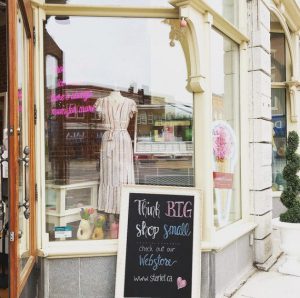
[[25, 159], [26, 203]]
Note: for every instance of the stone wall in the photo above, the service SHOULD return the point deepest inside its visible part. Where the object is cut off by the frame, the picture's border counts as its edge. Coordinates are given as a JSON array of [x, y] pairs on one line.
[[260, 127]]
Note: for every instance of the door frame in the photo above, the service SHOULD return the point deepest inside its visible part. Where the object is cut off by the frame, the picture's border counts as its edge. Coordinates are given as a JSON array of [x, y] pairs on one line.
[[18, 279]]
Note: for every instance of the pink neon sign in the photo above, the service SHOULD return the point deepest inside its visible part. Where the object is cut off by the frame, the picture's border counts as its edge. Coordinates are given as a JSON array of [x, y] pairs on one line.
[[71, 110], [71, 95]]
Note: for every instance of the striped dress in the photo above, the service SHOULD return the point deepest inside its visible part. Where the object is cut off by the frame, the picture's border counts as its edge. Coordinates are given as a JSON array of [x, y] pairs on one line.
[[116, 155]]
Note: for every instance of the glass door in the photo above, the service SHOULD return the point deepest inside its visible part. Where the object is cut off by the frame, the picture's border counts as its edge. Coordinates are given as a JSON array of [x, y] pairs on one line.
[[21, 127]]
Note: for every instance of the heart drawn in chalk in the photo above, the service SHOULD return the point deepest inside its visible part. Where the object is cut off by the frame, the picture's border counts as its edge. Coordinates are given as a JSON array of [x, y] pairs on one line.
[[181, 283]]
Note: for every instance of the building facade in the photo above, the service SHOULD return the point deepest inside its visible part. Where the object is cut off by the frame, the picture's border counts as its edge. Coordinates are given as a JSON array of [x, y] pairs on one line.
[[184, 93]]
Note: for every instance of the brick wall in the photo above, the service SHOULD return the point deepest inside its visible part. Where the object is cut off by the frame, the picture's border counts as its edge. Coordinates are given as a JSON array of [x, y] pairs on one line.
[[3, 70]]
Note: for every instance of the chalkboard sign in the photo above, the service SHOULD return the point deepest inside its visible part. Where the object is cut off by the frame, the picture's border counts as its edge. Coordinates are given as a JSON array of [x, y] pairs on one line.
[[159, 243]]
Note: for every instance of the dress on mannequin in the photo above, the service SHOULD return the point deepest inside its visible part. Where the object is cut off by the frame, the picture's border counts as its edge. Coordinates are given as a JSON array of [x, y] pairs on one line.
[[116, 155]]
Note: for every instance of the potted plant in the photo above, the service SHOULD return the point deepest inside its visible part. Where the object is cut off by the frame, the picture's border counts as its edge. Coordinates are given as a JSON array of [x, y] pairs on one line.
[[289, 221]]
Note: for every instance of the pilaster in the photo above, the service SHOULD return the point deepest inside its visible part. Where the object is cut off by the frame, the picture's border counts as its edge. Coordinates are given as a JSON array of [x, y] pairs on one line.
[[260, 137]]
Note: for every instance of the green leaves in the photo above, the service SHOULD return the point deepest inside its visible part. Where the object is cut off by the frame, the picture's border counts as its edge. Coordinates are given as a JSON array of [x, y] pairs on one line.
[[292, 189], [292, 215]]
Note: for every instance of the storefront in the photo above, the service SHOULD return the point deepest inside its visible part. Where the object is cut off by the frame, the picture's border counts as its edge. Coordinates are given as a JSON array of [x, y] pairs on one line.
[[144, 92]]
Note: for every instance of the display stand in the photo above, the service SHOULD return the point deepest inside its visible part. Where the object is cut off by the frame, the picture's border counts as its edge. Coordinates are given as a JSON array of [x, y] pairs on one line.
[[59, 211]]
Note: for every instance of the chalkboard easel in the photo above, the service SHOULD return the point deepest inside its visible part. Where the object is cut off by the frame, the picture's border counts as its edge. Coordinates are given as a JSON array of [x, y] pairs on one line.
[[159, 243]]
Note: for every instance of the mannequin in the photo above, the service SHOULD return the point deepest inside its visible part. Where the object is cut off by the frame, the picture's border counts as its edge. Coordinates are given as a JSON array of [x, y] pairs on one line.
[[116, 155]]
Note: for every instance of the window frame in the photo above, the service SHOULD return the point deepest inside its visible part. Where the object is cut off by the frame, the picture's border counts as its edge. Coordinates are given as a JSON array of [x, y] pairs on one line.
[[211, 239], [237, 121]]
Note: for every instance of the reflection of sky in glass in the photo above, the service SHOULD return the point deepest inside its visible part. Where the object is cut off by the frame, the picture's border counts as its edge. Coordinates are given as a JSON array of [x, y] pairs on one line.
[[217, 65], [122, 52], [158, 3]]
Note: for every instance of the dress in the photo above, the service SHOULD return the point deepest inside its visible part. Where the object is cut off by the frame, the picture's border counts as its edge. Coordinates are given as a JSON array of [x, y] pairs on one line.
[[116, 155]]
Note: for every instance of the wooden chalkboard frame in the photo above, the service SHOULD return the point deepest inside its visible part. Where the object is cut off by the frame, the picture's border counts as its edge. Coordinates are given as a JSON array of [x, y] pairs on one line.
[[123, 232]]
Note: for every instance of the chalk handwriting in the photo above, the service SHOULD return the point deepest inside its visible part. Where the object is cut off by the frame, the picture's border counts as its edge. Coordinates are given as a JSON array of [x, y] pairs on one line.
[[148, 211], [146, 231], [155, 261], [179, 209]]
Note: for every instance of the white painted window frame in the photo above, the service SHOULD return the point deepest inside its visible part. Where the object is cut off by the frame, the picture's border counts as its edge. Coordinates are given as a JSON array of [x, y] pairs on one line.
[[205, 17]]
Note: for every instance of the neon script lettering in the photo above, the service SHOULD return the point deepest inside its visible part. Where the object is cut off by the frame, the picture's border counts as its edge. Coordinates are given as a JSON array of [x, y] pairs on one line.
[[85, 95], [73, 110], [60, 69]]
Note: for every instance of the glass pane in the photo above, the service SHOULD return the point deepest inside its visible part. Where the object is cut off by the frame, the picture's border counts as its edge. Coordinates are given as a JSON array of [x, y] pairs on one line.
[[226, 130], [278, 64], [149, 3], [118, 113], [279, 137], [78, 197], [23, 177], [229, 9]]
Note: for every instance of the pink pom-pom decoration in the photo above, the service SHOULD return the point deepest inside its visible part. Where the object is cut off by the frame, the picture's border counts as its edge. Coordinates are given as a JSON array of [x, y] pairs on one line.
[[183, 23]]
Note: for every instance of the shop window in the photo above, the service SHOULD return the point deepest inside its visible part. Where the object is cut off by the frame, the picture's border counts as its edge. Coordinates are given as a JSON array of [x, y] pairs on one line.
[[225, 129], [149, 3], [278, 78], [227, 8], [118, 113], [279, 137], [278, 64]]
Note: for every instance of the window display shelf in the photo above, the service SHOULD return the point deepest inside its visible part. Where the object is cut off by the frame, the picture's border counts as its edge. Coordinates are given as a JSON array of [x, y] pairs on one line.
[[65, 201]]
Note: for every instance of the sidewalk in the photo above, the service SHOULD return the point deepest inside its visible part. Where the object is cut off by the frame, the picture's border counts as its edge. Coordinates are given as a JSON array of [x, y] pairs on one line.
[[271, 284]]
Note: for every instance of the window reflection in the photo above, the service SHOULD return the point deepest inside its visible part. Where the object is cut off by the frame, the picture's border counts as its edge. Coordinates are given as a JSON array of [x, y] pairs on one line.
[[278, 65], [279, 132], [225, 130], [279, 137], [118, 113]]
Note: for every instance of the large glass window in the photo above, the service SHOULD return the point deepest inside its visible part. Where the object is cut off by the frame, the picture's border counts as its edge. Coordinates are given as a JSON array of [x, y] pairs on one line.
[[117, 112], [226, 129], [278, 78], [279, 137], [278, 63]]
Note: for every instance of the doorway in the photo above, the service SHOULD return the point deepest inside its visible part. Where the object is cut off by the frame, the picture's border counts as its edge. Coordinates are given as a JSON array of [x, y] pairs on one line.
[[17, 190], [3, 155]]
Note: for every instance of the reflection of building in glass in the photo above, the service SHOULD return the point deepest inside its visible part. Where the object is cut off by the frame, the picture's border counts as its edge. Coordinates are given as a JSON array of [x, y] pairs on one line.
[[75, 78], [218, 107]]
